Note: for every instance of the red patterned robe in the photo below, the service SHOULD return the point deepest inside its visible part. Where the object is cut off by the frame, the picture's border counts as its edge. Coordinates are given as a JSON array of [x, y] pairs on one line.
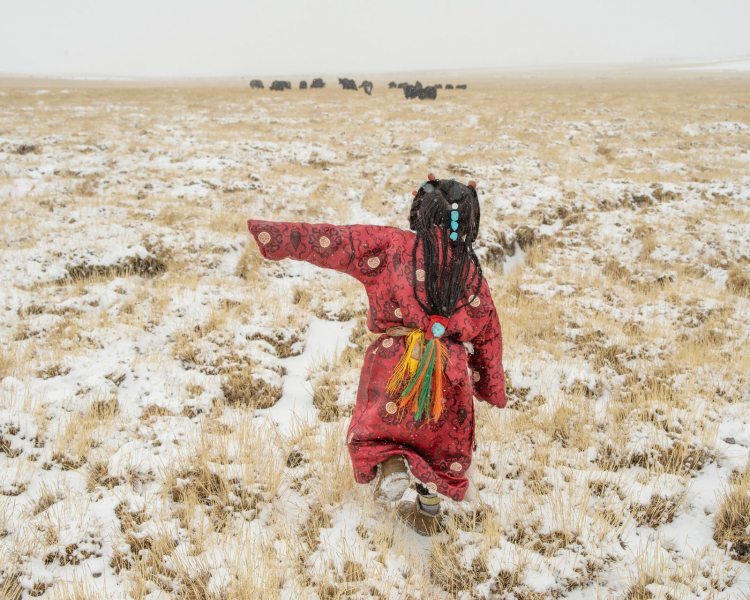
[[439, 452]]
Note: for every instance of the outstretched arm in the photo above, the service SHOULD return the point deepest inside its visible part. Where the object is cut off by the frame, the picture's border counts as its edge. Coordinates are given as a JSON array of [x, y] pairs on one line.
[[487, 362], [359, 250]]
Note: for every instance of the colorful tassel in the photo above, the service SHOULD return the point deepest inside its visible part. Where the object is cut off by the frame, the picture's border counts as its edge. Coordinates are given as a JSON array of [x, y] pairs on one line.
[[419, 382], [423, 397]]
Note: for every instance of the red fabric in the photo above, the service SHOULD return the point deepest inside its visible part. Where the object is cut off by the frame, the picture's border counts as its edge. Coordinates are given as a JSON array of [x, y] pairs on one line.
[[439, 453]]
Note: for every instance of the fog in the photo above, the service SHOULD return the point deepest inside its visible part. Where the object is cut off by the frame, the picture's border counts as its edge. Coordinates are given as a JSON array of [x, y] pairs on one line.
[[192, 38]]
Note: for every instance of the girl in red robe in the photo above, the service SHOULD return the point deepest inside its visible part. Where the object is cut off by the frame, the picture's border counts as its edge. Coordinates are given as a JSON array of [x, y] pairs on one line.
[[440, 342]]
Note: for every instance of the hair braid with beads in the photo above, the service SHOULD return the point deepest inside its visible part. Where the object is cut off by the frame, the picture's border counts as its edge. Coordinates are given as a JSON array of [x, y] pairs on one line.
[[449, 274]]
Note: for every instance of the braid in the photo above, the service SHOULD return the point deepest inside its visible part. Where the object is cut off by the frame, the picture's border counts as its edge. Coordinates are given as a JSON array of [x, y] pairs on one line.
[[449, 275]]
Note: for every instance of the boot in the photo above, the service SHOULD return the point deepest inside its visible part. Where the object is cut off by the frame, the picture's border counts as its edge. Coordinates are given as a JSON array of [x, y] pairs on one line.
[[393, 480], [412, 514]]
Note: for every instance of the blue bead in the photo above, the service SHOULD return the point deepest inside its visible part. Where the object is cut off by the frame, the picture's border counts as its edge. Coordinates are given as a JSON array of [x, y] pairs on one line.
[[454, 225], [437, 330], [454, 236], [423, 184], [454, 215]]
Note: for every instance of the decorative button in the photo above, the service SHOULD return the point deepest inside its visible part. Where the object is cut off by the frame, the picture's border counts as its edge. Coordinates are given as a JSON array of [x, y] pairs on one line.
[[431, 486], [456, 466], [391, 408], [264, 237], [325, 242], [398, 313], [420, 275], [387, 342], [454, 206], [475, 301], [373, 262], [437, 330], [476, 376]]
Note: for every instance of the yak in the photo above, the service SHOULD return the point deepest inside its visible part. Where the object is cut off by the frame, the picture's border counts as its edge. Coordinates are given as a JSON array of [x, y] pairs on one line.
[[392, 85], [367, 85], [348, 84], [303, 85], [256, 84], [317, 83], [423, 93]]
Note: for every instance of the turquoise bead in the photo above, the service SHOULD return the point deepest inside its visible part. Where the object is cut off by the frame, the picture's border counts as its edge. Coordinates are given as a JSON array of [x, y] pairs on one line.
[[454, 236], [454, 215], [454, 225], [437, 330]]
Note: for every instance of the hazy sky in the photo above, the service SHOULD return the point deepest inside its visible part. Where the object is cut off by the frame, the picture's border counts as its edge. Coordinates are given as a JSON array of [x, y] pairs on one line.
[[286, 37]]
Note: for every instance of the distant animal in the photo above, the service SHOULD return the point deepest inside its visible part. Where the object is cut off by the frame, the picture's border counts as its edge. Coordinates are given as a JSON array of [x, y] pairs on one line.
[[303, 85], [280, 86], [392, 85], [410, 91], [348, 84], [367, 85], [418, 85], [256, 84], [461, 87], [423, 93], [318, 83], [448, 86], [438, 86], [401, 86]]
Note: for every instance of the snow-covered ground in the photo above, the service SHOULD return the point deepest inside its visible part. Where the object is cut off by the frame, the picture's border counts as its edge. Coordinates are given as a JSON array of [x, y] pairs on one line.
[[173, 408]]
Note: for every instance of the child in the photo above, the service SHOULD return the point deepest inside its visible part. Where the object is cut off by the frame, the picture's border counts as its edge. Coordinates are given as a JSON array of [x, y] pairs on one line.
[[440, 342]]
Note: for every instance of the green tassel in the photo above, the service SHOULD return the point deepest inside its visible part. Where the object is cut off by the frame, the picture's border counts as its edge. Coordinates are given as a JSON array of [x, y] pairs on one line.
[[424, 396], [422, 365], [427, 366]]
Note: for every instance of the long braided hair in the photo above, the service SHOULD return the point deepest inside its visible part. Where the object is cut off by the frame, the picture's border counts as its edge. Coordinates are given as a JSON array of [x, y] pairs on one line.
[[449, 275]]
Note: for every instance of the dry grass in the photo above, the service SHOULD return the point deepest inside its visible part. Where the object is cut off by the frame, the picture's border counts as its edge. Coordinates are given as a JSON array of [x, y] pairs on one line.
[[243, 389], [147, 338], [733, 518]]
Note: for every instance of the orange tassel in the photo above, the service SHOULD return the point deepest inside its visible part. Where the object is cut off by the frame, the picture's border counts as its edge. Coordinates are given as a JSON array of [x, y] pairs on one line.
[[437, 403]]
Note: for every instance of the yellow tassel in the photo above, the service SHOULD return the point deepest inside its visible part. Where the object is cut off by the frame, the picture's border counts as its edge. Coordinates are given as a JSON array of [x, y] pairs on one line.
[[407, 366]]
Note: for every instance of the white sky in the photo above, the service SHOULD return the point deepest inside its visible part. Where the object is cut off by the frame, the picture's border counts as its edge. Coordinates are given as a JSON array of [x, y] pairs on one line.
[[196, 38]]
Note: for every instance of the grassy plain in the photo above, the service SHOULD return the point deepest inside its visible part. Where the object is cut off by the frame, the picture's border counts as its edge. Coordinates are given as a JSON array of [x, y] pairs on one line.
[[143, 339]]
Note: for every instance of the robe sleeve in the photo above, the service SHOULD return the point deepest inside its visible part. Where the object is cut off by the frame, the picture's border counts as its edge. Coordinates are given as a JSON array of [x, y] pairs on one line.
[[487, 362], [358, 250]]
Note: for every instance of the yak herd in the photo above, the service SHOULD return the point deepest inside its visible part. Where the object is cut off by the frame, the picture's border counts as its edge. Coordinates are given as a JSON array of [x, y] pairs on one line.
[[280, 86], [416, 90]]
